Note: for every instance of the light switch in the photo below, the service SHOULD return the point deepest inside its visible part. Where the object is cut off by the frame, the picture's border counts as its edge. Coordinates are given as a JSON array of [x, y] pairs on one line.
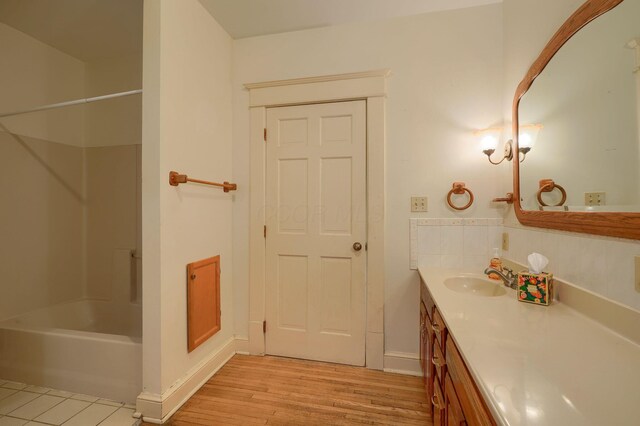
[[505, 241], [418, 204]]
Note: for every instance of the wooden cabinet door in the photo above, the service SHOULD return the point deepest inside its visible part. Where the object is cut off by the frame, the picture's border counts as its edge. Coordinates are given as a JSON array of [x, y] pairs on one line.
[[468, 396], [430, 369], [426, 352], [454, 414], [423, 338]]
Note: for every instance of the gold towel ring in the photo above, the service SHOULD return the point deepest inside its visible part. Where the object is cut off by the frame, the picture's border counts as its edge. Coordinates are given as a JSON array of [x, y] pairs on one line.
[[548, 185], [459, 188]]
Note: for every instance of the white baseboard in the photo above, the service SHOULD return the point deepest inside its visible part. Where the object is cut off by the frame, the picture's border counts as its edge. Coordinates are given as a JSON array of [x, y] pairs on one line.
[[157, 409], [402, 363], [375, 350], [242, 345]]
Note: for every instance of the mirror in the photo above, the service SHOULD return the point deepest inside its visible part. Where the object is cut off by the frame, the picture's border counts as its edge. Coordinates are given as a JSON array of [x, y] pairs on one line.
[[587, 102], [582, 99]]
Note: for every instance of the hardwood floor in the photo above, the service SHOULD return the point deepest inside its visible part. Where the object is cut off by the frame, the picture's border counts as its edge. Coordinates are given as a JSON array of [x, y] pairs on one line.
[[271, 390]]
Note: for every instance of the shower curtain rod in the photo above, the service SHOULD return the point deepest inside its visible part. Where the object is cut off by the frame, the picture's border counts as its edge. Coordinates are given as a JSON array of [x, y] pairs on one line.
[[70, 103]]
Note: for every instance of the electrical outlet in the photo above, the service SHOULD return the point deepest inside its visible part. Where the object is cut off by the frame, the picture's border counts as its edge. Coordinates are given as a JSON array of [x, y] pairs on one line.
[[505, 241], [637, 275], [594, 198], [418, 204]]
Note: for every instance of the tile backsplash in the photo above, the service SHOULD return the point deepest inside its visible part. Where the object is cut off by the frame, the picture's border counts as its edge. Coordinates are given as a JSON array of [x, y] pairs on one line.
[[454, 243], [602, 265]]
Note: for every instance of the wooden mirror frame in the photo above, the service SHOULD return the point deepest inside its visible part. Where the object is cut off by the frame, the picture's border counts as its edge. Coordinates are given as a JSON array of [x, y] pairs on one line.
[[624, 225]]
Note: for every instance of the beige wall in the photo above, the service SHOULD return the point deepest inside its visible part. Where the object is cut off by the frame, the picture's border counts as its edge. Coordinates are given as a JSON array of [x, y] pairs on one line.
[[602, 265], [113, 159], [186, 127], [112, 221], [41, 167], [41, 255], [446, 81], [115, 121], [34, 74]]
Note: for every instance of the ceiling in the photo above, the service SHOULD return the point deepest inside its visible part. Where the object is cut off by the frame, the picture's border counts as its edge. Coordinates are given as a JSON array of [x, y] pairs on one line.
[[85, 29], [90, 30], [247, 18]]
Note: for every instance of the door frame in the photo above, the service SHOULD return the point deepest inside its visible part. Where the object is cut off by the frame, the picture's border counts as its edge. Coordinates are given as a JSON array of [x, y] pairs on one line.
[[371, 87]]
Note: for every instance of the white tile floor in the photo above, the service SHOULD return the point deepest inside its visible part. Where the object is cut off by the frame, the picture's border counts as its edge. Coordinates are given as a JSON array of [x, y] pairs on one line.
[[23, 405]]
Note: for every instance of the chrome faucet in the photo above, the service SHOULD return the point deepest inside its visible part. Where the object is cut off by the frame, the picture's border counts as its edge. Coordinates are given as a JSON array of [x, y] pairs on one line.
[[507, 276]]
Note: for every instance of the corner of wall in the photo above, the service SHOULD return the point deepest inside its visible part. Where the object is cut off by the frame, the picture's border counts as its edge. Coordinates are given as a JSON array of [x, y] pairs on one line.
[[158, 408]]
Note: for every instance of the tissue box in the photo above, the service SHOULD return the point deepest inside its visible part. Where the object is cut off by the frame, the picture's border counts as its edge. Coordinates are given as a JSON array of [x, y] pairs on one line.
[[535, 288]]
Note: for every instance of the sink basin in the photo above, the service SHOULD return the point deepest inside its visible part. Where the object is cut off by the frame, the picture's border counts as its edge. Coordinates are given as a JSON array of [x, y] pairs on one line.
[[475, 286]]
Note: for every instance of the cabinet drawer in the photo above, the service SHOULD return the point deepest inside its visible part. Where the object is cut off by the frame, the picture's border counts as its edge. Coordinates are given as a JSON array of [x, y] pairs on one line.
[[475, 411], [437, 401], [439, 362], [439, 328]]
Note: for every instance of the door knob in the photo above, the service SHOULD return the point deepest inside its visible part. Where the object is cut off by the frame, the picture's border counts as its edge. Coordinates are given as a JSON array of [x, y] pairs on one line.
[[357, 246]]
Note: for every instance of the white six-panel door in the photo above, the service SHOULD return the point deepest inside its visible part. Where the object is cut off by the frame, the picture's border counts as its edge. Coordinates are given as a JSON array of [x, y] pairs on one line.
[[315, 213]]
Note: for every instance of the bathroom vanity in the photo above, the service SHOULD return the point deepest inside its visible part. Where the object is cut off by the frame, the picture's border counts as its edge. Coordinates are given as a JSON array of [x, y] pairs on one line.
[[454, 396], [489, 359]]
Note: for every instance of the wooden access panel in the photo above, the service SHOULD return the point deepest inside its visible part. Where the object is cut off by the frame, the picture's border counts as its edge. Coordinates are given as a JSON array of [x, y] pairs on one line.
[[203, 301]]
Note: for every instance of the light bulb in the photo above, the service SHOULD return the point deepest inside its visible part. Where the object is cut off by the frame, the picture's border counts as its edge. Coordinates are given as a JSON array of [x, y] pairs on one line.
[[489, 142], [525, 141]]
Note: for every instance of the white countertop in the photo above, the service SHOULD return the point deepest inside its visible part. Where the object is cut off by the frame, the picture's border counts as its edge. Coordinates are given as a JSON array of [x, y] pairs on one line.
[[540, 365]]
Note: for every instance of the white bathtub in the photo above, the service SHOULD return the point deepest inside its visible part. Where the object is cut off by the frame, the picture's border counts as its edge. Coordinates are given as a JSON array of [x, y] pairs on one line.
[[86, 346]]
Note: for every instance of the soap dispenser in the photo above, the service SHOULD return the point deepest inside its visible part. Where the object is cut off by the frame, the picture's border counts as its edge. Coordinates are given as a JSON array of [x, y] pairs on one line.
[[495, 263]]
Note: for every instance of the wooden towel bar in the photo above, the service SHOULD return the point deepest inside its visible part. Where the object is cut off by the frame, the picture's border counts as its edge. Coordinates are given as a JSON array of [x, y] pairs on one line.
[[176, 179]]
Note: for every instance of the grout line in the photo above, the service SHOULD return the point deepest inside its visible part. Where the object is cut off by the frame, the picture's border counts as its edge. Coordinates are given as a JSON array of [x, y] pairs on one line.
[[107, 418], [116, 408], [63, 400], [33, 420], [85, 408], [30, 420], [7, 415]]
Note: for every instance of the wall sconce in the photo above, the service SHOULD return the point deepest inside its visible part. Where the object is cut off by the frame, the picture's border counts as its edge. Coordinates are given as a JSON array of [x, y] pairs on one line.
[[527, 138], [489, 139]]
